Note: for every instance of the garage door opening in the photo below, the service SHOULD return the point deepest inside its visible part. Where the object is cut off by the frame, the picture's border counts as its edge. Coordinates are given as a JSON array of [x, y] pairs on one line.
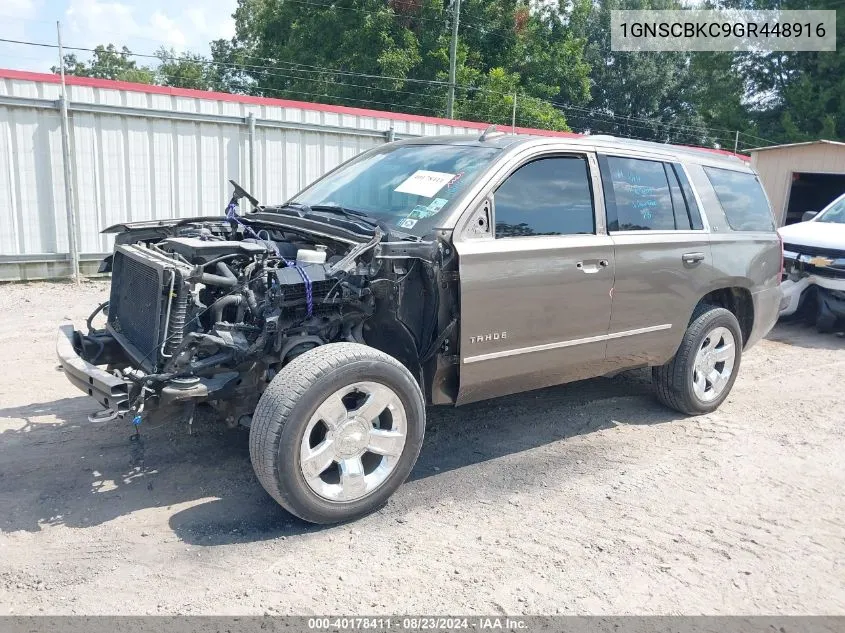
[[812, 192]]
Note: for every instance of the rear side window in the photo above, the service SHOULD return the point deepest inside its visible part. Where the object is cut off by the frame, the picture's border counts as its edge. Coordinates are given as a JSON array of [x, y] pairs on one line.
[[687, 214], [743, 201], [646, 195], [550, 196]]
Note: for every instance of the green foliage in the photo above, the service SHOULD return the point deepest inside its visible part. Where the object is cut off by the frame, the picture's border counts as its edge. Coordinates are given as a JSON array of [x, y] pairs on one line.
[[553, 58], [640, 95], [493, 102], [811, 89], [791, 96], [108, 63], [504, 49], [187, 70]]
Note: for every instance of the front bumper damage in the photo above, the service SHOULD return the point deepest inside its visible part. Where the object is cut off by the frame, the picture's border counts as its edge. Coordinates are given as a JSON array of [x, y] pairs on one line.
[[107, 389], [815, 278], [795, 293], [78, 353]]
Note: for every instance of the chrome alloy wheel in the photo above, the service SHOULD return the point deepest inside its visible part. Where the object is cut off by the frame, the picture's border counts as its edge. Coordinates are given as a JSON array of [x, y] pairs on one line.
[[714, 364], [353, 441]]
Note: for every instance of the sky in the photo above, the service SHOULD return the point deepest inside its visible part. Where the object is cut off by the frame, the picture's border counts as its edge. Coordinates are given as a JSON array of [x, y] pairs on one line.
[[140, 25]]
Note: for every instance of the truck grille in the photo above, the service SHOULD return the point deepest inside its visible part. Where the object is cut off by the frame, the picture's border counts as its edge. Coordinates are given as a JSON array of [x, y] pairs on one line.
[[136, 304]]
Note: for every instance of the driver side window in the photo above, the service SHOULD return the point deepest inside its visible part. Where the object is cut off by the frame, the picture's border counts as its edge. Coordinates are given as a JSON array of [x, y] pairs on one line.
[[548, 196]]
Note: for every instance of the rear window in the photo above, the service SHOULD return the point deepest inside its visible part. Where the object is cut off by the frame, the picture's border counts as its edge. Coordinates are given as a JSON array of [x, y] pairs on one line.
[[743, 201]]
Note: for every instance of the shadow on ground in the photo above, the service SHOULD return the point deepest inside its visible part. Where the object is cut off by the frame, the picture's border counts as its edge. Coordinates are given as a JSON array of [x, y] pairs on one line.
[[80, 474], [802, 334]]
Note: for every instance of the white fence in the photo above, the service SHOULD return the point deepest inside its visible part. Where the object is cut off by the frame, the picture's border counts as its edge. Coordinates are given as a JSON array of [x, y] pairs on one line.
[[147, 152]]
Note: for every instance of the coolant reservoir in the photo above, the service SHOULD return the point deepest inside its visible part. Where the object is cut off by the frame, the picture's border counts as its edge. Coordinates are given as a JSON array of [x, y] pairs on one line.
[[306, 256]]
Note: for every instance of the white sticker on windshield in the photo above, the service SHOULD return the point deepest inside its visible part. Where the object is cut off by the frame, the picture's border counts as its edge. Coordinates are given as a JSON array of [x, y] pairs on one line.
[[407, 223], [425, 183]]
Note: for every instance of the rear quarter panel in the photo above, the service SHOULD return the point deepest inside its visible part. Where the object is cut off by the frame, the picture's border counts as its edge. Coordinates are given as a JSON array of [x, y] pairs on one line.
[[742, 259]]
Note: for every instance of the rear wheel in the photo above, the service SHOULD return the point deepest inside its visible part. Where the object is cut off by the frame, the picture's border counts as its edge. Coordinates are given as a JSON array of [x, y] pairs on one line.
[[703, 371], [337, 432]]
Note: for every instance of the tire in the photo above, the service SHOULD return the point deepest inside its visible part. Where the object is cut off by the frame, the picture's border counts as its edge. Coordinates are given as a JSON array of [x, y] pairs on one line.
[[675, 382], [319, 476]]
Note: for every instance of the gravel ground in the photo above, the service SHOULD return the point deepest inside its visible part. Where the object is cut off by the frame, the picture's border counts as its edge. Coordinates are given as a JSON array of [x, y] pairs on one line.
[[588, 498]]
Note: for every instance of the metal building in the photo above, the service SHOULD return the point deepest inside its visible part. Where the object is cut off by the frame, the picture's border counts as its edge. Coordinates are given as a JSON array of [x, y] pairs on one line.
[[800, 177]]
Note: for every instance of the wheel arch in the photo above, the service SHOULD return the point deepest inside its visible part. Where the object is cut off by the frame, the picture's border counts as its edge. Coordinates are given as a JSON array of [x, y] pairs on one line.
[[735, 299], [394, 339]]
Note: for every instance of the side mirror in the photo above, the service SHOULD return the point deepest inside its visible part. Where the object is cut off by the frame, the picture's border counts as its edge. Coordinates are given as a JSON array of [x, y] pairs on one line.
[[809, 215]]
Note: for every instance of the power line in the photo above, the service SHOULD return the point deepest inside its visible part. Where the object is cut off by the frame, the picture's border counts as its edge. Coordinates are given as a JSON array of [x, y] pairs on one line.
[[611, 118], [643, 119], [592, 113], [177, 78], [293, 65], [759, 138], [594, 122], [266, 89], [274, 71]]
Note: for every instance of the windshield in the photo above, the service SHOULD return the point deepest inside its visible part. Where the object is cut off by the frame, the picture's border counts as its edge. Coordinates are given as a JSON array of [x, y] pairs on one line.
[[834, 213], [408, 187]]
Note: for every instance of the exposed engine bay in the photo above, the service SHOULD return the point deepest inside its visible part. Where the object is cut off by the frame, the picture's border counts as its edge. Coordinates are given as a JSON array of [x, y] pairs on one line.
[[209, 310]]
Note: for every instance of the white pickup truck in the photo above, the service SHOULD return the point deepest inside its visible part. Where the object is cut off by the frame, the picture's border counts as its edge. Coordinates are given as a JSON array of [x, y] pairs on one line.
[[814, 266]]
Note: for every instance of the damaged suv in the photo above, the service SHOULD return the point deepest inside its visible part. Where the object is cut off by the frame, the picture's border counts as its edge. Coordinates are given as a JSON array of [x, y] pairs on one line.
[[814, 266], [430, 272]]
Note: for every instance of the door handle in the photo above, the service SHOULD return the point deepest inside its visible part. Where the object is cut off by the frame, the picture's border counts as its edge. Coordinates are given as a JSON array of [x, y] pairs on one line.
[[592, 267], [693, 258]]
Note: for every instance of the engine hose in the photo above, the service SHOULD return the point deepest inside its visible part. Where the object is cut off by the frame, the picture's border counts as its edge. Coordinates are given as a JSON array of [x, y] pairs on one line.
[[226, 278], [221, 304], [89, 320], [251, 301]]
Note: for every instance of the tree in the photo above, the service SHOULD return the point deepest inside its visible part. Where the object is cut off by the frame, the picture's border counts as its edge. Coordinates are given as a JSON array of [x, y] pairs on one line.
[[493, 101], [812, 92], [792, 96], [319, 52], [553, 58], [108, 63], [178, 70], [187, 70], [646, 95]]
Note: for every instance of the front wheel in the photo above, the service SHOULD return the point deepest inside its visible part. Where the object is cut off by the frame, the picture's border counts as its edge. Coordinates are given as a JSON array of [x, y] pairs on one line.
[[337, 432], [703, 371]]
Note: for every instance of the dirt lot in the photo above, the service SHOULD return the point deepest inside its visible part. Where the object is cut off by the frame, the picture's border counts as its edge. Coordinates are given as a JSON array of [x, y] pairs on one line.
[[587, 498]]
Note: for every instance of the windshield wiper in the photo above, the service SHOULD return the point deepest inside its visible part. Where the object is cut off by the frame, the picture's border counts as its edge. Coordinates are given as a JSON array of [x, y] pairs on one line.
[[304, 210], [349, 213]]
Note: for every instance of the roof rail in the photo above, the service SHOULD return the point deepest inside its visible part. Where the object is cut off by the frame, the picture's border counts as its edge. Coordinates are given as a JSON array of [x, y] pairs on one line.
[[690, 149]]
